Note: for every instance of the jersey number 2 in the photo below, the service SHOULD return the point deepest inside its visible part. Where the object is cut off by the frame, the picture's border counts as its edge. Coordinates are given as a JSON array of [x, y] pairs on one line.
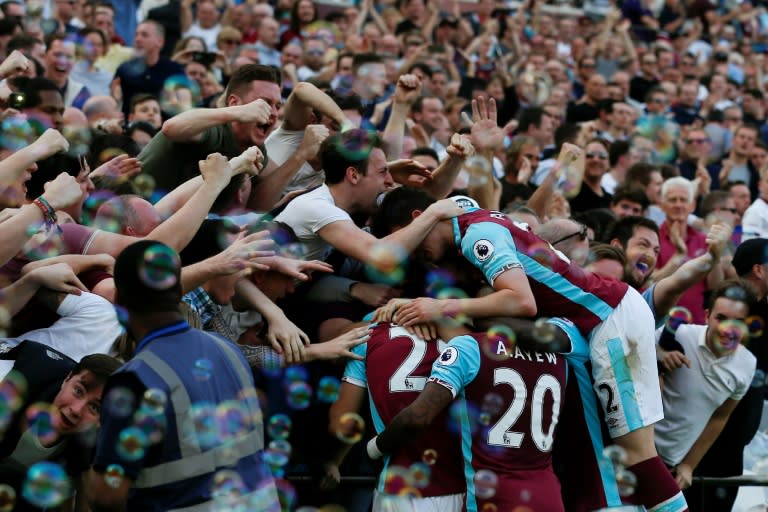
[[500, 435], [402, 380]]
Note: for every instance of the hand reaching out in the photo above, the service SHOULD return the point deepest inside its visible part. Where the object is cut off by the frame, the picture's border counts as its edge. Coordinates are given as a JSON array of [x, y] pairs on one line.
[[486, 133]]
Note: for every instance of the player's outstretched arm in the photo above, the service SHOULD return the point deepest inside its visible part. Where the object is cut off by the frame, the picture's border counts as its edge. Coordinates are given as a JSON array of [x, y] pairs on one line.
[[411, 421]]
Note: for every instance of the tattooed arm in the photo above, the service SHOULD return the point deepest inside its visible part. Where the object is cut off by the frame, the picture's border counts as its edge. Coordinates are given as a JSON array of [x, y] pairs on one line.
[[414, 419]]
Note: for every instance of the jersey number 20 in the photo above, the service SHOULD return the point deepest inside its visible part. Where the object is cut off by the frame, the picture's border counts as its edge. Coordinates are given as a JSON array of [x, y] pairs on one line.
[[500, 434]]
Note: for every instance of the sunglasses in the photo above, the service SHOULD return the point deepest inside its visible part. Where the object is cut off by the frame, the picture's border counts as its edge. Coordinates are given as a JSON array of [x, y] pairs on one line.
[[597, 154], [729, 210], [582, 234], [229, 41], [697, 141]]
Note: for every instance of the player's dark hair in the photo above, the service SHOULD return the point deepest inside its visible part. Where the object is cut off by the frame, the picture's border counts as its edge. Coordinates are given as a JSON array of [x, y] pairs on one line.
[[101, 367], [396, 210], [529, 117], [618, 149], [425, 151], [634, 194], [245, 75]]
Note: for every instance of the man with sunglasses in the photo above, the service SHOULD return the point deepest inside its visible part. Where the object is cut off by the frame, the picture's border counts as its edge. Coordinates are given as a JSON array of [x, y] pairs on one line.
[[567, 236], [592, 194]]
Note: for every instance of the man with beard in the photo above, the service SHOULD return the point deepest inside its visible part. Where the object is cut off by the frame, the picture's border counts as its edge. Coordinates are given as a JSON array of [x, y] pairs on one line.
[[638, 237]]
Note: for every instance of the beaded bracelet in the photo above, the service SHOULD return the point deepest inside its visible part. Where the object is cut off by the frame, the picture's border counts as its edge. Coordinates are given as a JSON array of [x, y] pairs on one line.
[[49, 214]]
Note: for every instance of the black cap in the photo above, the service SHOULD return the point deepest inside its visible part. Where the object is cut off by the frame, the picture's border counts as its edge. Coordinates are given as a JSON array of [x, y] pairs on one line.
[[750, 253]]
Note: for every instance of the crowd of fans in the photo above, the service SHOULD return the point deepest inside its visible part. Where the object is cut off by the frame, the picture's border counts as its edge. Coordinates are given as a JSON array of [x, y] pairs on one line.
[[258, 145]]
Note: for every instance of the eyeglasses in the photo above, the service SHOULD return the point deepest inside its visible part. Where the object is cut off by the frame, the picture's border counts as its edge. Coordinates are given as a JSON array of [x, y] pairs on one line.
[[414, 43], [697, 141], [582, 234], [317, 52], [602, 155], [734, 119], [229, 41], [659, 101], [724, 209]]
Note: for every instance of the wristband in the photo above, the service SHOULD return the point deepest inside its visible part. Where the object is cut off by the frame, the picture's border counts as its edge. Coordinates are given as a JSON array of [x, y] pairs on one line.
[[373, 450], [49, 214]]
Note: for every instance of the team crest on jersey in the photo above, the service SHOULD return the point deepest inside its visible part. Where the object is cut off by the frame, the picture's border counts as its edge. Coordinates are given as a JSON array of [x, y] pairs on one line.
[[449, 356], [483, 249], [498, 215]]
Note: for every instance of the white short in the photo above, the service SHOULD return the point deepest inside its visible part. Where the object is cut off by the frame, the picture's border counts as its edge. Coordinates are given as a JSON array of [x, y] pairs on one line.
[[390, 503], [623, 353]]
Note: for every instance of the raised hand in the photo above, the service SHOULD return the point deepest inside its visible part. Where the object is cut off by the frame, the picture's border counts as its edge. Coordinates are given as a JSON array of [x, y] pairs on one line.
[[250, 161], [407, 90], [119, 168], [15, 63], [63, 191], [216, 170], [717, 238], [314, 135], [387, 313], [486, 133], [50, 143], [409, 172], [460, 146], [258, 112]]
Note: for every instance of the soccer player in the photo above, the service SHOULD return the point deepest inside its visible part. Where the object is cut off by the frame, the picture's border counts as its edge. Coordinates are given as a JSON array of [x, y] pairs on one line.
[[508, 406], [396, 367], [530, 278]]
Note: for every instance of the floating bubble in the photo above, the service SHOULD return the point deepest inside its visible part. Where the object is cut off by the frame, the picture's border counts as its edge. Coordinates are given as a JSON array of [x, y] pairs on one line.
[[328, 389], [486, 482], [616, 454], [484, 419], [107, 155], [453, 317], [44, 242], [350, 428], [296, 374], [356, 145], [489, 507], [478, 170], [730, 334], [387, 263], [154, 401], [144, 185], [202, 369], [544, 331], [13, 391], [299, 395], [153, 425], [498, 342], [47, 485], [279, 426], [136, 66], [542, 253], [249, 399], [677, 316], [131, 443], [7, 498], [660, 136], [437, 279], [429, 457], [420, 474], [233, 419], [492, 405], [396, 479], [16, 133], [110, 214], [286, 493], [409, 492], [180, 93], [205, 423], [277, 454], [113, 476], [79, 138], [94, 201], [120, 401], [227, 484], [40, 421], [756, 326], [626, 481], [159, 268], [736, 293], [460, 411]]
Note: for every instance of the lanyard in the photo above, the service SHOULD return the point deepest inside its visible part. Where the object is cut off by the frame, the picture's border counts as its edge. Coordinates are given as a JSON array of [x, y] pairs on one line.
[[164, 331]]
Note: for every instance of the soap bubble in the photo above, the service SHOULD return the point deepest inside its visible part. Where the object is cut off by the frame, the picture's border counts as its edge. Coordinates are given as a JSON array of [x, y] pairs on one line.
[[47, 485], [350, 428], [159, 267]]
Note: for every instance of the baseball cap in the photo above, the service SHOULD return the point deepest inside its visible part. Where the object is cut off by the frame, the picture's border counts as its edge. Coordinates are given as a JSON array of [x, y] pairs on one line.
[[749, 253]]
